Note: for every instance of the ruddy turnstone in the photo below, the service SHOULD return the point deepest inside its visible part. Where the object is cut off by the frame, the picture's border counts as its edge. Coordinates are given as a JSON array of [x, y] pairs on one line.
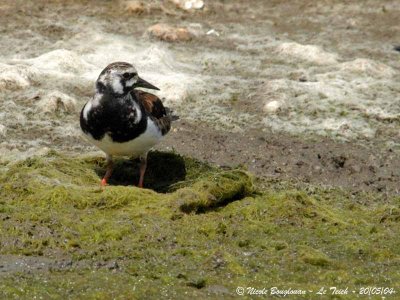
[[123, 121]]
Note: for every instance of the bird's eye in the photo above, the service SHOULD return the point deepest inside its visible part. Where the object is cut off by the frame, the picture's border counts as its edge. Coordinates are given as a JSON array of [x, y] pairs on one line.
[[127, 75]]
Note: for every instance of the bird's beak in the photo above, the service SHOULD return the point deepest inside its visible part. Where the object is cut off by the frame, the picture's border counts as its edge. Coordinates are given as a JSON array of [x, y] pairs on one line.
[[144, 84]]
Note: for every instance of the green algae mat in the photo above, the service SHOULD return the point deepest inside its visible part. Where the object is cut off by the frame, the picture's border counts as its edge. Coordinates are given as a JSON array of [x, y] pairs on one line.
[[196, 231]]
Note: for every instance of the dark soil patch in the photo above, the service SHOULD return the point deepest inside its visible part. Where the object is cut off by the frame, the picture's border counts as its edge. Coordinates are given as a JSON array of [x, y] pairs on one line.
[[312, 160]]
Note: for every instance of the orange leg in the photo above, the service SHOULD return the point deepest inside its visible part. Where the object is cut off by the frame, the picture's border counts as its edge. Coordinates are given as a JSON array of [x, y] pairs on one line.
[[143, 165], [110, 166]]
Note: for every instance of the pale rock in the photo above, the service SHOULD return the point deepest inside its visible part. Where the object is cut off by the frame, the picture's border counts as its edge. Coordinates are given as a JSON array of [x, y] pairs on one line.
[[189, 4], [273, 107], [134, 7], [168, 33], [212, 32]]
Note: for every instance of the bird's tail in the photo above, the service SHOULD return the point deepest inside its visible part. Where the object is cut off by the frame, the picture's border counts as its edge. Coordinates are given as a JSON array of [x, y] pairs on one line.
[[164, 123]]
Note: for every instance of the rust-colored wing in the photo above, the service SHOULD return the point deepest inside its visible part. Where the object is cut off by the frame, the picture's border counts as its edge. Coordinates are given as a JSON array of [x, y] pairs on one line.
[[155, 109], [152, 104]]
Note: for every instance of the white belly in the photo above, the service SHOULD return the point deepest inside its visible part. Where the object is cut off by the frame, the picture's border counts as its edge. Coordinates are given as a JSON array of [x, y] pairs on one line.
[[134, 148]]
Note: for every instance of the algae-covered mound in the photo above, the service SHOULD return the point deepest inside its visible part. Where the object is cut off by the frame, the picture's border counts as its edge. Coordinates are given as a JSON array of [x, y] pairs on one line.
[[58, 181], [196, 230], [57, 189]]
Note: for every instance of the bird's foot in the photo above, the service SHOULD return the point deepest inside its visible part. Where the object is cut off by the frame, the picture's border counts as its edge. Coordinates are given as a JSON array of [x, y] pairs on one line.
[[103, 182]]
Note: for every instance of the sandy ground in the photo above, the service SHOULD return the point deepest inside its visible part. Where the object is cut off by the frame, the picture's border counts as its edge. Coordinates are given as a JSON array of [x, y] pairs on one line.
[[312, 140], [318, 161], [337, 122]]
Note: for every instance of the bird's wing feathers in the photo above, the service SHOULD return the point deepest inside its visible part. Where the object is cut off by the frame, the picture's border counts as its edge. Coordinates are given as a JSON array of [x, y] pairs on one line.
[[161, 115], [151, 103]]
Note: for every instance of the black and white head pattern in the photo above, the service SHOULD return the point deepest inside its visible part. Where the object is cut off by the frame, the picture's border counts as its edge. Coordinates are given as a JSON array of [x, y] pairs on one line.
[[117, 78]]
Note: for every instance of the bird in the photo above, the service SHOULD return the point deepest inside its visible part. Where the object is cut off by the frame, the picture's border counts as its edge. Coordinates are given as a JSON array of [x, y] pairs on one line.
[[122, 120]]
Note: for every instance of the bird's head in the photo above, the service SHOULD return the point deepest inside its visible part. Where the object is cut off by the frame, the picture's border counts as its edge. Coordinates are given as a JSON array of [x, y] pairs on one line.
[[119, 78]]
